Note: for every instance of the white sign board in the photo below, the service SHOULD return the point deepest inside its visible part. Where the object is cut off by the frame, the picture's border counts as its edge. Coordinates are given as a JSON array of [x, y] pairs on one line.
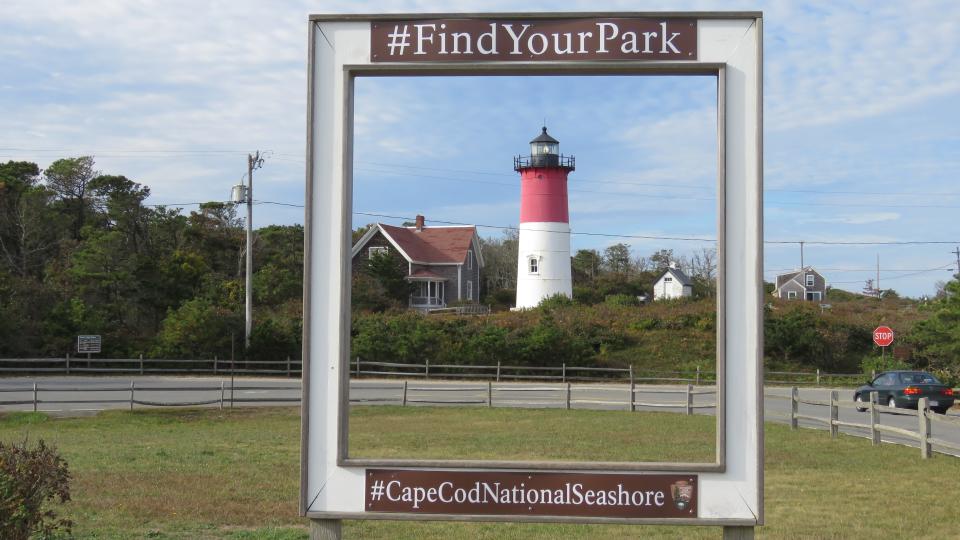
[[344, 47]]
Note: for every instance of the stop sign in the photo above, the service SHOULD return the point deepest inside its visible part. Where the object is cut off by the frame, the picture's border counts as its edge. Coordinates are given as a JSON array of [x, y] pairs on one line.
[[883, 336]]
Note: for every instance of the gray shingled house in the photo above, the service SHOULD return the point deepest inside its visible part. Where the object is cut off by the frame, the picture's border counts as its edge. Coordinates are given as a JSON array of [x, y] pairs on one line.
[[804, 284]]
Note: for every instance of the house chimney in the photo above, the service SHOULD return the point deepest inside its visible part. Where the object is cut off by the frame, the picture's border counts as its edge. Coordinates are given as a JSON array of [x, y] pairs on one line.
[[419, 222]]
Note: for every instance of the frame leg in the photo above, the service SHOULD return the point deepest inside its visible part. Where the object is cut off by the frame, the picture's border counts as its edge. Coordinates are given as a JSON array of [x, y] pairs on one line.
[[325, 529], [738, 533]]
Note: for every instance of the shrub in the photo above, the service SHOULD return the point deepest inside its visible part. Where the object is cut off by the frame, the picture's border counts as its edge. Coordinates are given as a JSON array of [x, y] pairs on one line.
[[621, 300], [31, 479], [871, 364]]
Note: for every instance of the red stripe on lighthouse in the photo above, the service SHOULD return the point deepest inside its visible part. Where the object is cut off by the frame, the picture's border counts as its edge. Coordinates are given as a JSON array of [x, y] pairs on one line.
[[543, 195]]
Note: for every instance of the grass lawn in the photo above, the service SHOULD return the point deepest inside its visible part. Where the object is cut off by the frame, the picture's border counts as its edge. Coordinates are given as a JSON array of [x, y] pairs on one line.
[[207, 474], [548, 434]]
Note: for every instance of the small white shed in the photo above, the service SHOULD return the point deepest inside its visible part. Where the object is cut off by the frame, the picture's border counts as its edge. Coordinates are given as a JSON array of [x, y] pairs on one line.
[[673, 283]]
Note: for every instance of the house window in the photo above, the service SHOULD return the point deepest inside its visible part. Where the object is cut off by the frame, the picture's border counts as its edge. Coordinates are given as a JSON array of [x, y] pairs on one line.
[[814, 295], [791, 295], [668, 279], [376, 250], [809, 280], [533, 265], [469, 260], [469, 290]]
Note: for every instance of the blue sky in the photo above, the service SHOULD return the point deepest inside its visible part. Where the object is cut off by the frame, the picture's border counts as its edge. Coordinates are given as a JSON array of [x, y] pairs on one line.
[[861, 116]]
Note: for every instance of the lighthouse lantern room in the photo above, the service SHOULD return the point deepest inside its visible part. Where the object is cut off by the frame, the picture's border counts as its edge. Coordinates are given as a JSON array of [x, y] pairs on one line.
[[543, 266]]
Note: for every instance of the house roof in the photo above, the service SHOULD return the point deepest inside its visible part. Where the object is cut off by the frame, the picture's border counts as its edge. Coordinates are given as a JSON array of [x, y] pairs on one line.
[[429, 245], [677, 275], [426, 274]]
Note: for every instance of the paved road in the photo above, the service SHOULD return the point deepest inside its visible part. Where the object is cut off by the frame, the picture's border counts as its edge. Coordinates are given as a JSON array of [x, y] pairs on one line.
[[62, 395]]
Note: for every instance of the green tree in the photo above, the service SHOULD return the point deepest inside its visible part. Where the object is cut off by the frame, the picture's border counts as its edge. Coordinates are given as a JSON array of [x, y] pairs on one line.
[[938, 337], [616, 259], [586, 266], [70, 180]]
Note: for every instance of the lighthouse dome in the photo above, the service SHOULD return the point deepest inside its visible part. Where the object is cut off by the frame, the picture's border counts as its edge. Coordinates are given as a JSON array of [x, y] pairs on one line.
[[544, 144]]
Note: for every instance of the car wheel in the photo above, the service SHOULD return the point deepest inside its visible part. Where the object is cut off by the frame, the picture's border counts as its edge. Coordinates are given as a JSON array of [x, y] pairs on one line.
[[892, 403], [859, 399]]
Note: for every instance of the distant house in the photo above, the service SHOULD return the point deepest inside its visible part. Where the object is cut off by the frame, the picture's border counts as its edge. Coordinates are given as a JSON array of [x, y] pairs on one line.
[[443, 262], [672, 283], [804, 284]]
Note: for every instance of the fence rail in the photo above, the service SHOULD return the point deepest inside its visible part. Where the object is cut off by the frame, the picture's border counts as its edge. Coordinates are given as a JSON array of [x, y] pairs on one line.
[[924, 437]]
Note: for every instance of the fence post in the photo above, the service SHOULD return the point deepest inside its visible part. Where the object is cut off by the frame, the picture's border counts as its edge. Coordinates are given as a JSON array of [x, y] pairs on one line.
[[489, 394], [426, 370], [68, 363], [288, 366], [568, 396], [404, 402], [794, 406], [132, 386], [922, 413], [697, 380], [633, 394], [34, 397], [221, 395], [498, 371], [358, 367], [141, 363], [874, 419], [818, 376], [216, 361], [563, 372], [834, 413], [689, 399]]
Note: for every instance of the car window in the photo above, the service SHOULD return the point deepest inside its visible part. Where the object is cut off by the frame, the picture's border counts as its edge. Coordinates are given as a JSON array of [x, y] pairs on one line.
[[887, 379], [918, 378]]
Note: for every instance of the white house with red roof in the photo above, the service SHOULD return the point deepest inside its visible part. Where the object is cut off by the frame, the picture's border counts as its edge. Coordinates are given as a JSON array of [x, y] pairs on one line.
[[442, 261]]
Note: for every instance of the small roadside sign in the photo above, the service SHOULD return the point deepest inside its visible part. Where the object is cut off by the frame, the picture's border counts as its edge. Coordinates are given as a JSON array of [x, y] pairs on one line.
[[883, 336], [88, 344]]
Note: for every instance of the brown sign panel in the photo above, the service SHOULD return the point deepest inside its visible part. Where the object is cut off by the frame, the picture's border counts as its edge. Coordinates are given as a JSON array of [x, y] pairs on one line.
[[453, 40], [531, 493]]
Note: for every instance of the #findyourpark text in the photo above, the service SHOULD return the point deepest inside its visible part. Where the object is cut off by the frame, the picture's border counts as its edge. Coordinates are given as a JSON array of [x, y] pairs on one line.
[[576, 39]]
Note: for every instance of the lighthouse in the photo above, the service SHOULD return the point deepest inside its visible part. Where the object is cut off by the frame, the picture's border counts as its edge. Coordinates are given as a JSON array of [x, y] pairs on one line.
[[543, 265]]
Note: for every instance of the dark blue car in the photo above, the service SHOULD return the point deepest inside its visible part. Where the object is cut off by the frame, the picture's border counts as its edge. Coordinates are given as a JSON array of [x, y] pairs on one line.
[[903, 389]]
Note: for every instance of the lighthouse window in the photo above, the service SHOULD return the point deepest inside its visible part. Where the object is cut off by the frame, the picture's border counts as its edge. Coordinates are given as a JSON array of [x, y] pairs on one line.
[[534, 265]]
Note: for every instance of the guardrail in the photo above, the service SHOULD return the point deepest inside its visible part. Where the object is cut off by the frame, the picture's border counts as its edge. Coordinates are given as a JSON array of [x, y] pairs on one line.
[[359, 367], [70, 365], [923, 436]]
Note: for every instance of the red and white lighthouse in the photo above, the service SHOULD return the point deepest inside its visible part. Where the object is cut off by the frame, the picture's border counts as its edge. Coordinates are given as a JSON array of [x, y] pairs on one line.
[[543, 266]]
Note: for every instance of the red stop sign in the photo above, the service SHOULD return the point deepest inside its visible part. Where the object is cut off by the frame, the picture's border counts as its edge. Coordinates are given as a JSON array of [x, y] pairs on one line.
[[883, 336]]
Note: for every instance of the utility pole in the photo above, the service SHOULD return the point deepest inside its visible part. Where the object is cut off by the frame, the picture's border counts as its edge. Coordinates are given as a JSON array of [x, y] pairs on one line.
[[801, 255], [254, 161], [957, 253], [878, 277]]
